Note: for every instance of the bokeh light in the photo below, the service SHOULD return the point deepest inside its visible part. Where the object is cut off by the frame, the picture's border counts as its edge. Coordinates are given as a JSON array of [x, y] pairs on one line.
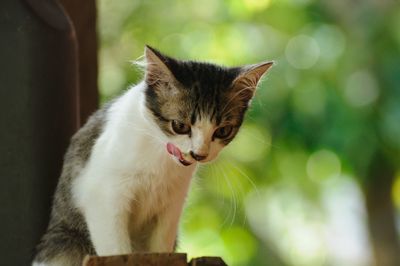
[[331, 41], [302, 52], [361, 89], [323, 165]]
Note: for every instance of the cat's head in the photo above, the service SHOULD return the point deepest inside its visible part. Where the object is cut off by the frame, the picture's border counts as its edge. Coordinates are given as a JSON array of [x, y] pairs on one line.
[[199, 106]]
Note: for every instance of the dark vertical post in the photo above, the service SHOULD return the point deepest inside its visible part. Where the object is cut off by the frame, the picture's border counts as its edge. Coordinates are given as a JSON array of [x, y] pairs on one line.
[[84, 16]]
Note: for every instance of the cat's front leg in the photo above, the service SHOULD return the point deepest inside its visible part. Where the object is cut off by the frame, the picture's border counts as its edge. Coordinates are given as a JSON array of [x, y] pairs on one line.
[[108, 229], [164, 234], [103, 207], [163, 237]]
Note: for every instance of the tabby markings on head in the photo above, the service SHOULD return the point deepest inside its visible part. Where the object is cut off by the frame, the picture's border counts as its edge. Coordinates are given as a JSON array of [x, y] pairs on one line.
[[199, 106]]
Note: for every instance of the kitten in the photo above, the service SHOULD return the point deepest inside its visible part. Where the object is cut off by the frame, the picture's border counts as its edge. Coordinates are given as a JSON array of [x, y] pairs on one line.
[[128, 169]]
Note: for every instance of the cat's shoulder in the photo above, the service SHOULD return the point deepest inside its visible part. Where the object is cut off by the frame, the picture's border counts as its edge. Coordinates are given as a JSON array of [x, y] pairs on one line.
[[84, 139], [94, 124]]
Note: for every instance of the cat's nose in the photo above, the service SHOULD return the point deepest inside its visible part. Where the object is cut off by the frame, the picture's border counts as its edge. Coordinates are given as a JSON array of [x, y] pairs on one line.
[[198, 157]]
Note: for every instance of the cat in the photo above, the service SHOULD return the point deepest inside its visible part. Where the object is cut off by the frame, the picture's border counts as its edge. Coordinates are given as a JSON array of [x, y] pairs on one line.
[[127, 171]]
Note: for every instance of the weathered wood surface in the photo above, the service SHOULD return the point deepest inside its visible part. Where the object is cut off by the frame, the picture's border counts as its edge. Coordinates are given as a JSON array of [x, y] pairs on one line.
[[152, 259]]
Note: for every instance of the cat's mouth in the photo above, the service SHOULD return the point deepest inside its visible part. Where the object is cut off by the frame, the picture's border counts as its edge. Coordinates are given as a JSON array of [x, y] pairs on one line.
[[176, 152]]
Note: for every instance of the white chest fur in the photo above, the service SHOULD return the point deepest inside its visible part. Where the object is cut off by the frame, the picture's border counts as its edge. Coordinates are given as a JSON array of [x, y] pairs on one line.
[[130, 181]]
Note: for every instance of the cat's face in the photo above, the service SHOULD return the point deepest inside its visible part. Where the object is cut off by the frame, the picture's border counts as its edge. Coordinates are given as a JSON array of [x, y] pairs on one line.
[[199, 107]]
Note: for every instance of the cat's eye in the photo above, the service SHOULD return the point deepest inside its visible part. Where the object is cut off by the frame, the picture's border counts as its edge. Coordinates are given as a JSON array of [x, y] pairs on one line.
[[180, 128], [223, 132]]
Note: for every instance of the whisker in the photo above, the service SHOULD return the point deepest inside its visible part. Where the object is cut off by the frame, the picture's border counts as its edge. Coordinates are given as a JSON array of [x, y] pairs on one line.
[[234, 202], [255, 137], [241, 190], [246, 177], [227, 215], [238, 181], [219, 183]]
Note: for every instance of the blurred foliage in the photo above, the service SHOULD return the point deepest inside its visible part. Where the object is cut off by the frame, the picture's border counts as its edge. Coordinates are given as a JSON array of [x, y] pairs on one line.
[[290, 189]]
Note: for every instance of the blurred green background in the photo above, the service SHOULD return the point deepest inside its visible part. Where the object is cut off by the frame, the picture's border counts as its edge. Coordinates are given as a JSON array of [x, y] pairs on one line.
[[314, 176]]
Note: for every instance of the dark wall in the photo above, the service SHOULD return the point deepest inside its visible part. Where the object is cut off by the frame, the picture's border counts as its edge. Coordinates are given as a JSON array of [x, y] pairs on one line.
[[39, 112]]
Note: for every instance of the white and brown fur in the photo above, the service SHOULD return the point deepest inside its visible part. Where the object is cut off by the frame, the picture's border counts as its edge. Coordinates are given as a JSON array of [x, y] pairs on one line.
[[120, 190]]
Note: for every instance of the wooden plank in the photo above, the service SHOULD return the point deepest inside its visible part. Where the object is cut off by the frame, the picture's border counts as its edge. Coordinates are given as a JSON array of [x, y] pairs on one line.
[[138, 259], [152, 259]]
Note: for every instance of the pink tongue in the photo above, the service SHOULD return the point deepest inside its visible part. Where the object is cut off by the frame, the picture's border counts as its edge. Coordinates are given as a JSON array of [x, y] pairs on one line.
[[172, 149]]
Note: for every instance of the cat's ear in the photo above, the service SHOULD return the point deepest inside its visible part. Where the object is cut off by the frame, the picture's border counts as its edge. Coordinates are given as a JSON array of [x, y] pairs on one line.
[[246, 82], [156, 67]]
